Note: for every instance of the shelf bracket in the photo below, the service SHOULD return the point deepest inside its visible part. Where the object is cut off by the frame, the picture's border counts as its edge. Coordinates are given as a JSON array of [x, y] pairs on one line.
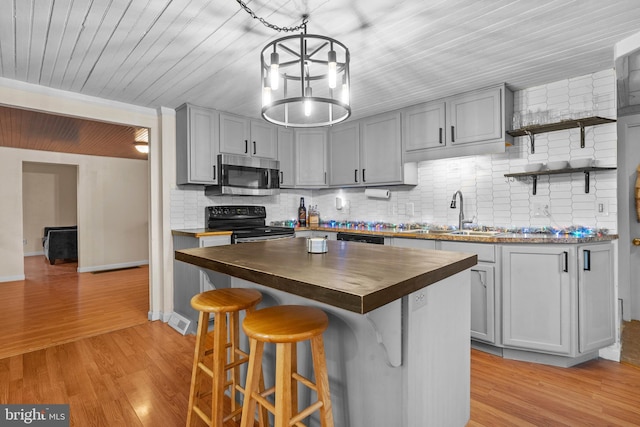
[[535, 184], [581, 126], [532, 138], [586, 181]]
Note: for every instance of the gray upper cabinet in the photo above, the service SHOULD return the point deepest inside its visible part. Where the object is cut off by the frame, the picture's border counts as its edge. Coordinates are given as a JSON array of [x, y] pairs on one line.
[[240, 135], [311, 158], [196, 145], [423, 126], [476, 117], [286, 156], [381, 149], [369, 152], [471, 123], [344, 155]]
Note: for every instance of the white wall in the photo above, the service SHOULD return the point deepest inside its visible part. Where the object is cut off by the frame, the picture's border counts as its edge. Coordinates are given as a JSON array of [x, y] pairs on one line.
[[49, 195], [112, 208], [489, 196]]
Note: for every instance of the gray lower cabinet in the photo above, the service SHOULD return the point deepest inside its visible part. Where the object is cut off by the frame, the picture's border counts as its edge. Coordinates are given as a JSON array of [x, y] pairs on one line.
[[596, 303], [485, 293], [189, 280], [413, 243], [558, 299]]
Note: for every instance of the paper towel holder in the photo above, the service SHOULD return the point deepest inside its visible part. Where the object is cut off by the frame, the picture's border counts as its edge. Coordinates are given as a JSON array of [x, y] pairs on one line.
[[377, 193]]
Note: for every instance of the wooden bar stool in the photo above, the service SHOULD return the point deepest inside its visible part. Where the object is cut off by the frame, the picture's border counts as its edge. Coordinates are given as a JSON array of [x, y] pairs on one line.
[[285, 326], [226, 356]]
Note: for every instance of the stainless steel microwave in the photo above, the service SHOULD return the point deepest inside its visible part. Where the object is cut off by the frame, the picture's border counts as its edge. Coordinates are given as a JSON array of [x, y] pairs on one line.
[[243, 175]]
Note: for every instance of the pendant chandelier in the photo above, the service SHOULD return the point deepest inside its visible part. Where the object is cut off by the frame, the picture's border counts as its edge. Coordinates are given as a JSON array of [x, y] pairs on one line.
[[305, 78]]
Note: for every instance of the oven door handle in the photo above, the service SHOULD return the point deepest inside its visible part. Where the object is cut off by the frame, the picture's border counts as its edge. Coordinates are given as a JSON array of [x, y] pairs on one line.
[[263, 238]]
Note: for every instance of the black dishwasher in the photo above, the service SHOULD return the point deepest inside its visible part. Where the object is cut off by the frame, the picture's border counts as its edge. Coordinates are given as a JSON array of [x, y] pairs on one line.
[[363, 238]]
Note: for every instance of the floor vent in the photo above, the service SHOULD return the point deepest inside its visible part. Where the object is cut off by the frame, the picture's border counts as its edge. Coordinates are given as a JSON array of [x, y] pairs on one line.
[[179, 323]]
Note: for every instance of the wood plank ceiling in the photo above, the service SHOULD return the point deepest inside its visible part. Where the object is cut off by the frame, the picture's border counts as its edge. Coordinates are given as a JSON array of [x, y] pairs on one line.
[[166, 52]]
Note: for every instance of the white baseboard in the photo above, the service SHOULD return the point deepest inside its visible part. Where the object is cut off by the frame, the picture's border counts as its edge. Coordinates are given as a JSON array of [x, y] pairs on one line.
[[12, 278], [112, 266], [611, 353], [39, 253], [158, 315]]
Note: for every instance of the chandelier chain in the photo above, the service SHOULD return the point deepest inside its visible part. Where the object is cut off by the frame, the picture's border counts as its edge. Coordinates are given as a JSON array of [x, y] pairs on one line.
[[300, 27]]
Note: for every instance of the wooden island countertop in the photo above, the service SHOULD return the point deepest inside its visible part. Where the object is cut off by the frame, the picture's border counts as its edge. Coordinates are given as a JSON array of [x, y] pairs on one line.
[[358, 277]]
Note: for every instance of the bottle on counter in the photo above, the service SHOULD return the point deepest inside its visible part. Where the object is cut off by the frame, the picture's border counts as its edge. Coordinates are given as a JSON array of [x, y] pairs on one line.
[[302, 214]]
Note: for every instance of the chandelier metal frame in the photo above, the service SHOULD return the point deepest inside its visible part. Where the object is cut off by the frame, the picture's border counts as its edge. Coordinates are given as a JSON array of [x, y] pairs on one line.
[[303, 71]]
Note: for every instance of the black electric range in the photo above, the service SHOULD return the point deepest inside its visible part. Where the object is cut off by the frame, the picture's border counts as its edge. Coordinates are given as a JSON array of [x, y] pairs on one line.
[[248, 223]]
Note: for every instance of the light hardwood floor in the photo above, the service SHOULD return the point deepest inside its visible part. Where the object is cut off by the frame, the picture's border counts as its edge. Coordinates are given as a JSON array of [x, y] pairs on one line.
[[139, 376]]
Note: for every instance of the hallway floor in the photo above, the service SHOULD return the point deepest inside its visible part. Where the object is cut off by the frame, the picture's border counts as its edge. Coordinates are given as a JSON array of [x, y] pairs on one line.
[[631, 343]]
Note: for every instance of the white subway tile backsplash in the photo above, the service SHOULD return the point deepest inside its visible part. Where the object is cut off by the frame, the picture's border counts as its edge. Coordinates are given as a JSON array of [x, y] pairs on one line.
[[489, 197]]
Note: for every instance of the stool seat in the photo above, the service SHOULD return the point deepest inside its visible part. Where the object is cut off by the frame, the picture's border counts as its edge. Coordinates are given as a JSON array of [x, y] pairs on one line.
[[285, 323], [226, 300], [286, 326]]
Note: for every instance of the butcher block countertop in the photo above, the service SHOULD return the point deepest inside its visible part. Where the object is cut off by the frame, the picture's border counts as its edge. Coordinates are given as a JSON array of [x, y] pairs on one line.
[[353, 276], [200, 232]]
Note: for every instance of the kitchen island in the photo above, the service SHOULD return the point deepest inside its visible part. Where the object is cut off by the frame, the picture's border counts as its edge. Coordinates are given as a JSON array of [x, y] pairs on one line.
[[397, 346]]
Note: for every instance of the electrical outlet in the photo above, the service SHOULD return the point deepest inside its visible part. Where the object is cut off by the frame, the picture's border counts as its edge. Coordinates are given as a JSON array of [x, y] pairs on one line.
[[410, 209], [419, 299], [538, 210]]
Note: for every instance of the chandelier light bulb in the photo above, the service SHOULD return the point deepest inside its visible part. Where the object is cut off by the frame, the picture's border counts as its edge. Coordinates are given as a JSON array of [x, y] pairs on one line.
[[266, 93], [274, 74], [332, 71], [307, 101], [345, 91]]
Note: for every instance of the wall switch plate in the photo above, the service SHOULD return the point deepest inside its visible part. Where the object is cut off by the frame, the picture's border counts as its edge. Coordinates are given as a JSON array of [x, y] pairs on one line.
[[24, 242], [602, 207]]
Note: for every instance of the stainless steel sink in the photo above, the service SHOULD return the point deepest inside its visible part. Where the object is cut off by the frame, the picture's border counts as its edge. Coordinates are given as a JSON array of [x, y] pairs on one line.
[[424, 231], [474, 233]]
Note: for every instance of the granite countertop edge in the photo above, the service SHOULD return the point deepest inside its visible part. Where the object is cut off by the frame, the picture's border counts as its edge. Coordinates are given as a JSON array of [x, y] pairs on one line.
[[500, 238]]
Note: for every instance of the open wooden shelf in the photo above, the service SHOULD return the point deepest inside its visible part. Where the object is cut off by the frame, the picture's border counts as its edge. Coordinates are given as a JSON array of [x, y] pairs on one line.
[[535, 174], [562, 125]]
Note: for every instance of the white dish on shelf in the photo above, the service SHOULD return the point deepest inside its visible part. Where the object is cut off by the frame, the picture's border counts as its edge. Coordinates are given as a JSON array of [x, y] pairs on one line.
[[580, 163], [557, 165], [533, 167]]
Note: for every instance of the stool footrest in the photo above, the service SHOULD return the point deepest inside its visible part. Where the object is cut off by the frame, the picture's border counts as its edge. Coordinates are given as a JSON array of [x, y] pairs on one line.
[[202, 415], [304, 381], [206, 369], [232, 415], [305, 412]]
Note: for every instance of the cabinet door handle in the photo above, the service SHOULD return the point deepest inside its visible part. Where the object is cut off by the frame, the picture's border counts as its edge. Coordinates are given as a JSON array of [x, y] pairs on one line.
[[214, 172], [363, 178], [325, 177], [453, 134], [246, 146], [565, 268], [355, 175], [440, 135], [254, 147], [281, 177], [586, 260]]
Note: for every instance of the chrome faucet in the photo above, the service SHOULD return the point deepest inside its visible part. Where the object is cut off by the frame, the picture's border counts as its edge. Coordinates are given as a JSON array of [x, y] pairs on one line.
[[461, 219]]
